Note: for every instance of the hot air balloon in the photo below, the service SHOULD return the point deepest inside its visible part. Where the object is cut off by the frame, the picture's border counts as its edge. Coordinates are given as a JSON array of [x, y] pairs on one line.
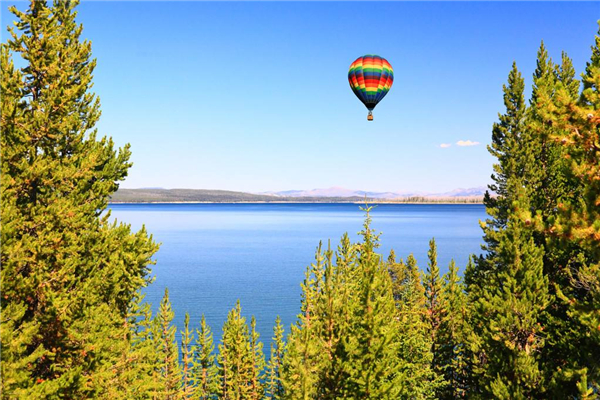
[[370, 78]]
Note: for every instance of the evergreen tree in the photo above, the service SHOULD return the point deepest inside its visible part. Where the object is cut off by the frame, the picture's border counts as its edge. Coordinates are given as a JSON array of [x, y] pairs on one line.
[[303, 358], [168, 353], [349, 339], [554, 196], [575, 230], [68, 275], [274, 384], [401, 274], [550, 186], [139, 371], [373, 345], [240, 359], [508, 288], [452, 337], [204, 369], [187, 359], [416, 277], [433, 303], [507, 145], [397, 271], [334, 309], [546, 170], [509, 312], [257, 363], [474, 355], [416, 379]]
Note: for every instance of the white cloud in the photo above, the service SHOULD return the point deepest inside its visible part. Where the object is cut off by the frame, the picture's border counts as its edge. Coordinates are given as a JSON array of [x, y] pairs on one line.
[[445, 145], [466, 143]]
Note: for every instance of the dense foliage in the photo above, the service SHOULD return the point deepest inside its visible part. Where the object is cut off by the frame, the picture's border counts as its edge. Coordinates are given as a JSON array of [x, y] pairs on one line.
[[524, 322], [69, 275]]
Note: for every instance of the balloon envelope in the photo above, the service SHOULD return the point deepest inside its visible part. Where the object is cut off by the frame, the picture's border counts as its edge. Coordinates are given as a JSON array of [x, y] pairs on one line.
[[370, 78]]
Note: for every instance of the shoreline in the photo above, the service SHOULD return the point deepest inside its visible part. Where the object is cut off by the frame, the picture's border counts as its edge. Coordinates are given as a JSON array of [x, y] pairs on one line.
[[293, 202]]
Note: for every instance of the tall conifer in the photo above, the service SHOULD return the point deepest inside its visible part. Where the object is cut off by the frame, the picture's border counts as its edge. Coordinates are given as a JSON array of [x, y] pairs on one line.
[[240, 359], [548, 187], [168, 360], [555, 199], [257, 363], [577, 228], [452, 337], [205, 379], [350, 340], [68, 275], [506, 146], [303, 359], [275, 365], [508, 287], [402, 273], [415, 376], [373, 339], [140, 374], [433, 302], [187, 359], [475, 286]]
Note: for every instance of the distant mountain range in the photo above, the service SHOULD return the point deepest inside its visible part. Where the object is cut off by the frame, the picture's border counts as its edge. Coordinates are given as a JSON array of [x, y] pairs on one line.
[[343, 192], [331, 195]]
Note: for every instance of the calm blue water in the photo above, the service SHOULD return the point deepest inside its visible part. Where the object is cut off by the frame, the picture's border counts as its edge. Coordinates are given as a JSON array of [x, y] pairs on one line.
[[213, 254]]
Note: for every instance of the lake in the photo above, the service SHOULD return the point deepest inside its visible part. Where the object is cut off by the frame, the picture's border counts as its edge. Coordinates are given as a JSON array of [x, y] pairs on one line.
[[211, 255]]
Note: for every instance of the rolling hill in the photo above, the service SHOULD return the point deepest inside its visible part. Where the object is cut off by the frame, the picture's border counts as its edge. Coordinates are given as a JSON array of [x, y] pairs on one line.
[[332, 195]]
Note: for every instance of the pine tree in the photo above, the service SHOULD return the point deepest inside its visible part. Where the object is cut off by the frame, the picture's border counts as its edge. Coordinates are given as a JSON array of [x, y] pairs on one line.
[[334, 309], [416, 379], [554, 195], [349, 339], [168, 353], [139, 373], [240, 359], [416, 277], [401, 273], [303, 359], [204, 369], [549, 188], [475, 357], [507, 146], [507, 143], [452, 337], [575, 230], [187, 359], [509, 312], [68, 275], [508, 288], [546, 181], [257, 363], [275, 365], [373, 340], [433, 303]]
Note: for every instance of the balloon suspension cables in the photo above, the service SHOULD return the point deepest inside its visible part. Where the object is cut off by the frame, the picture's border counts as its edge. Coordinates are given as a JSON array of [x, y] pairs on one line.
[[370, 116]]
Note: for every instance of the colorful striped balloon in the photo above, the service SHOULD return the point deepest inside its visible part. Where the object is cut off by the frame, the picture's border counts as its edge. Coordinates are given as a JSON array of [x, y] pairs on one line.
[[370, 78]]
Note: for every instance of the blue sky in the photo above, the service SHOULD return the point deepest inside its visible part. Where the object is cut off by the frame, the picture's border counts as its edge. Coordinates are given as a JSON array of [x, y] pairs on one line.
[[254, 96]]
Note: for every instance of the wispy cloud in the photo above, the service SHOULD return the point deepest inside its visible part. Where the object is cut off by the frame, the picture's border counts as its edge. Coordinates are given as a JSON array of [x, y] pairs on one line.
[[463, 143], [445, 145]]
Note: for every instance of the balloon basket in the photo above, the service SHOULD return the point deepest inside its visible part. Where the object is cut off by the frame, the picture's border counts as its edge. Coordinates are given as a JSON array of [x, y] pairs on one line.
[[370, 116]]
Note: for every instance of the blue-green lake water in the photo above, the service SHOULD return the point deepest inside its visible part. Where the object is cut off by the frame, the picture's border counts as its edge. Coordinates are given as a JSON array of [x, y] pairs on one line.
[[211, 255]]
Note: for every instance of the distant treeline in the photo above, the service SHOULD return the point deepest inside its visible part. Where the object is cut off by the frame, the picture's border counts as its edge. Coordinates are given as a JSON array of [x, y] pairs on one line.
[[444, 200], [226, 196]]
